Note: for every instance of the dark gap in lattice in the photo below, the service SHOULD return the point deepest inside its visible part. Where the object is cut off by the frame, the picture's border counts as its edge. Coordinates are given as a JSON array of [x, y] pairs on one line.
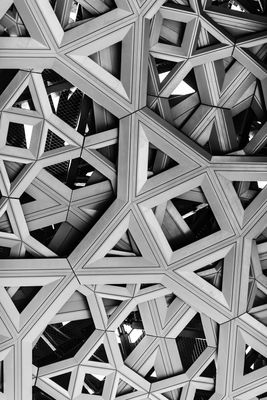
[[62, 341], [247, 6], [110, 152], [75, 173], [62, 380], [23, 296], [115, 59], [75, 108], [158, 161], [172, 32], [176, 3], [126, 246], [201, 394], [16, 135], [133, 321], [25, 97], [6, 77], [93, 385], [191, 342], [38, 394], [5, 225], [53, 141], [26, 198], [12, 25], [247, 191], [213, 273], [210, 371], [13, 169], [100, 355], [253, 360], [4, 252]]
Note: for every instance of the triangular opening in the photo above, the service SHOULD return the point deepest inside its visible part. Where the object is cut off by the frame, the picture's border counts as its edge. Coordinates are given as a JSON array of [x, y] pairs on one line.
[[13, 169], [170, 299], [186, 218], [110, 152], [69, 330], [253, 360], [22, 296], [80, 12], [109, 59], [164, 67], [130, 333], [205, 39], [5, 225], [172, 32], [126, 247], [111, 305], [53, 141], [11, 24], [248, 190], [124, 388], [151, 376], [25, 100], [173, 394], [262, 238], [25, 198], [76, 173], [93, 384], [62, 380], [260, 298], [100, 355], [210, 371], [158, 161], [212, 273], [186, 87], [75, 108], [191, 342], [201, 394]]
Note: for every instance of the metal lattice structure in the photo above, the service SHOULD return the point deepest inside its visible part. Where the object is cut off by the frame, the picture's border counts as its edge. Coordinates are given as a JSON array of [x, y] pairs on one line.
[[133, 217]]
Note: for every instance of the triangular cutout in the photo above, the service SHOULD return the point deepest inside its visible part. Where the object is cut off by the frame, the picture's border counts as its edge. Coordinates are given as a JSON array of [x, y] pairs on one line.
[[22, 296], [25, 101], [191, 342], [126, 247], [99, 355], [76, 173], [260, 298], [201, 394], [53, 141], [62, 380], [113, 54], [111, 305], [205, 39], [5, 225], [79, 12], [253, 360], [124, 388], [11, 24], [93, 384], [212, 273], [13, 169], [248, 190], [210, 371], [158, 161]]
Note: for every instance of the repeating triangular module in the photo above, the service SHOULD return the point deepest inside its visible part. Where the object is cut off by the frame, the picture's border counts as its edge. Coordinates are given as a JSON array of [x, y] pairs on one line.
[[124, 388], [99, 355], [22, 296], [78, 12], [11, 23], [127, 233], [253, 362], [93, 384], [62, 380], [205, 41], [247, 193], [161, 160], [122, 82]]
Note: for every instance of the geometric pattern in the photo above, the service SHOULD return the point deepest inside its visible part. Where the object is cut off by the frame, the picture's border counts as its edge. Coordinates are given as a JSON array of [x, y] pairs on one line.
[[133, 199]]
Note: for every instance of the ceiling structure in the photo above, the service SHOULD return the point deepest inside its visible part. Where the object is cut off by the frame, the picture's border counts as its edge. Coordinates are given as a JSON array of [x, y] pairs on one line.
[[133, 209]]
